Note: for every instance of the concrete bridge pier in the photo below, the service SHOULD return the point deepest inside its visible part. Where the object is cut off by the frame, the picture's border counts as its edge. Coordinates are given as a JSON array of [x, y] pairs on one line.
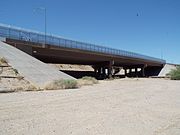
[[110, 72], [125, 72], [142, 72], [104, 70], [133, 71], [98, 71], [136, 72], [110, 69]]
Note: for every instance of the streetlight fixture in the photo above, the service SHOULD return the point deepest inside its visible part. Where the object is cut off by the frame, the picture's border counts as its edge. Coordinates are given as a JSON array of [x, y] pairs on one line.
[[45, 23]]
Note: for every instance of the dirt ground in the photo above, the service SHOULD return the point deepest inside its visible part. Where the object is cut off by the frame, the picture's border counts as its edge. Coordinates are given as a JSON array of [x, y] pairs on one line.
[[118, 107], [72, 67], [10, 80]]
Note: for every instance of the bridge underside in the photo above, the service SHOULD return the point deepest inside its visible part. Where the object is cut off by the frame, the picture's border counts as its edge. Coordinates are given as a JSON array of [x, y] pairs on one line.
[[103, 64]]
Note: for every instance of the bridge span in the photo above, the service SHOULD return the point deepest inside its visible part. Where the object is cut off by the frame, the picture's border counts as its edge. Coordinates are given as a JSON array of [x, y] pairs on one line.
[[54, 49]]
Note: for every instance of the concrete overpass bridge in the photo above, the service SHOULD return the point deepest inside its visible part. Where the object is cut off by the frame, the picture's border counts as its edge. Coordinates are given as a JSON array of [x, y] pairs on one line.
[[54, 49]]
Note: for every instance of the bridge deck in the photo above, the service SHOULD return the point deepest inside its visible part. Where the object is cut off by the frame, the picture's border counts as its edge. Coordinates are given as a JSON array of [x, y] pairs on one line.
[[41, 39]]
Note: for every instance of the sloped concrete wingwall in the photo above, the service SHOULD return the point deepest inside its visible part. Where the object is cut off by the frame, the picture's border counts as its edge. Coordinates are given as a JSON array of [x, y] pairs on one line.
[[35, 71], [166, 69]]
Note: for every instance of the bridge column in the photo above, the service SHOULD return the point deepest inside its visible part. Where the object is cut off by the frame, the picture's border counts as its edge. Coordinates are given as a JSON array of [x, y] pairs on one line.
[[136, 72], [109, 72], [99, 70], [110, 68], [130, 72], [125, 72], [142, 72], [104, 72], [95, 71]]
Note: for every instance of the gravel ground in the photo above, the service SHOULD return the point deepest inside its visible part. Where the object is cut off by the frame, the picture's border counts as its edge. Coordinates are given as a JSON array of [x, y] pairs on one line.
[[118, 107], [11, 81]]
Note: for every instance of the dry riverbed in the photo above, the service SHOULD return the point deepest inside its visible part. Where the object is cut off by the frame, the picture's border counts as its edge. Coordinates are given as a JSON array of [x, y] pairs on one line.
[[117, 107]]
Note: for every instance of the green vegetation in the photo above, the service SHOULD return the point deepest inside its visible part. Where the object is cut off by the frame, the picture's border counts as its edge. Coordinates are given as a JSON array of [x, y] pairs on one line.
[[175, 74], [3, 61], [87, 81], [94, 80], [32, 88], [71, 84], [15, 71], [62, 84]]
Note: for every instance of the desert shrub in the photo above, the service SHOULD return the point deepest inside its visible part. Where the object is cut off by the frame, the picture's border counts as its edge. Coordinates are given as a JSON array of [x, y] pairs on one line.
[[62, 84], [175, 74], [94, 80], [3, 61], [32, 88], [15, 71], [87, 81]]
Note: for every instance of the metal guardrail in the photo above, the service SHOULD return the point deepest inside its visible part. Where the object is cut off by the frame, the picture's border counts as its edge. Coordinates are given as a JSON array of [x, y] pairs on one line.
[[12, 32]]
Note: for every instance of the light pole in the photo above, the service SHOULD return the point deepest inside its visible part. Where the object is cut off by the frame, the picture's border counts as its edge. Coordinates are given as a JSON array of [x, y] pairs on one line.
[[45, 23]]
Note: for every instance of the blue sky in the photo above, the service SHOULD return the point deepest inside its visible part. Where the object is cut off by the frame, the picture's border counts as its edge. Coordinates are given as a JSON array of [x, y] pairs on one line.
[[150, 27]]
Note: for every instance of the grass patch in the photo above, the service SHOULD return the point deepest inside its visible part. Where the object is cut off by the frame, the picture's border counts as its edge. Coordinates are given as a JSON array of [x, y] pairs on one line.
[[62, 84], [87, 81], [175, 74], [3, 61]]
